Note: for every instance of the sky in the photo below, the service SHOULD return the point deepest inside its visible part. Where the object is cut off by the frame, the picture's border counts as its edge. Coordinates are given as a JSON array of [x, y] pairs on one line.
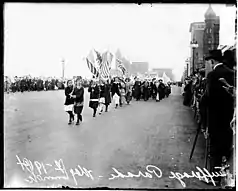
[[38, 36]]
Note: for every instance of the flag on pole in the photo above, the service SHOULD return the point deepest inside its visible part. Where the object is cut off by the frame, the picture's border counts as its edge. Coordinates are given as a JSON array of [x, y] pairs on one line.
[[91, 64], [105, 66], [121, 66], [109, 58], [166, 79], [98, 58]]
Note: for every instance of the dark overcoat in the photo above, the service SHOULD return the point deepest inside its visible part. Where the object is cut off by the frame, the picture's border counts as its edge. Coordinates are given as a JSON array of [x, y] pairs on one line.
[[94, 96]]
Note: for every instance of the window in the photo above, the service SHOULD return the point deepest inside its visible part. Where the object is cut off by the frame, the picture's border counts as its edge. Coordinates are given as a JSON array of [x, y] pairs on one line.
[[210, 30], [209, 42]]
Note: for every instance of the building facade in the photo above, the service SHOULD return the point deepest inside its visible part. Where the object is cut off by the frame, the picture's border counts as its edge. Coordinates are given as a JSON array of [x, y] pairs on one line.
[[139, 68], [211, 32], [197, 34]]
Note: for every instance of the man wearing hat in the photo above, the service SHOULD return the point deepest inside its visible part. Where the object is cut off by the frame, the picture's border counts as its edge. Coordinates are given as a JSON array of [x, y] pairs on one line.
[[229, 59], [220, 109]]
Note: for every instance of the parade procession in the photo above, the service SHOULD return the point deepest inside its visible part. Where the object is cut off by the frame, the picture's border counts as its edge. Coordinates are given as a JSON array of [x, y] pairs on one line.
[[106, 90], [143, 100]]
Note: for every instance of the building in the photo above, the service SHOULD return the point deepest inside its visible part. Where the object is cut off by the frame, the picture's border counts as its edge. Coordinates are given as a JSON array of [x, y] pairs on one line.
[[139, 67], [211, 32], [197, 34], [167, 71], [152, 74]]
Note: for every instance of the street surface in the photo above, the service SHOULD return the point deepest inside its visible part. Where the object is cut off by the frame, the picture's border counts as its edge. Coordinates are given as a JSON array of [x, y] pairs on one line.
[[126, 139]]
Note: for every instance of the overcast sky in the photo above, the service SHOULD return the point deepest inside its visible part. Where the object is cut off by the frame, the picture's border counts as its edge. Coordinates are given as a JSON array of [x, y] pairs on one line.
[[38, 36]]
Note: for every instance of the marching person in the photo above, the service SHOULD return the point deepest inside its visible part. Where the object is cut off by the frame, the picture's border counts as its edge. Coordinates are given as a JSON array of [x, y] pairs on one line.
[[153, 89], [123, 93], [78, 95], [137, 89], [116, 92], [146, 90], [69, 101], [107, 94], [167, 90], [220, 109], [157, 91], [128, 90], [101, 96], [161, 89], [94, 96]]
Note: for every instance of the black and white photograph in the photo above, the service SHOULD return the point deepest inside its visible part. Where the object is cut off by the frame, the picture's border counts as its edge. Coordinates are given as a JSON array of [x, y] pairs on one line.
[[119, 96]]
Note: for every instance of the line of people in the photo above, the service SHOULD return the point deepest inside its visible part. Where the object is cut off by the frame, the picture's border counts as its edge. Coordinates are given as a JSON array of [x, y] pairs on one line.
[[155, 89], [216, 98], [27, 83], [104, 92]]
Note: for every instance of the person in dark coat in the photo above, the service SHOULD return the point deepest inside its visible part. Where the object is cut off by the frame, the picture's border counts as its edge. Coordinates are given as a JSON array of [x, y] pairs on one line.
[[22, 85], [167, 90], [153, 89], [137, 89], [187, 93], [229, 59], [220, 109], [161, 89], [146, 90], [38, 84], [78, 95], [69, 100], [107, 92], [94, 96], [116, 92]]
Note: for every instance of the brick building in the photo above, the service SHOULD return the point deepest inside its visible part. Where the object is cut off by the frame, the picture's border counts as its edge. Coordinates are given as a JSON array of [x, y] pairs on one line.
[[197, 34], [211, 32]]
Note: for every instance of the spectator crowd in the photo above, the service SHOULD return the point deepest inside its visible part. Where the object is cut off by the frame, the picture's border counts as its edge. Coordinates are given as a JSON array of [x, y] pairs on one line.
[[28, 83], [213, 99]]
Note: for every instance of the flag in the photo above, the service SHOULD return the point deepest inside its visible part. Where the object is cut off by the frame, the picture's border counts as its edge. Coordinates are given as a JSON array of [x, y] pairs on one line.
[[92, 68], [105, 66], [109, 58], [98, 58], [120, 66], [91, 64], [166, 79]]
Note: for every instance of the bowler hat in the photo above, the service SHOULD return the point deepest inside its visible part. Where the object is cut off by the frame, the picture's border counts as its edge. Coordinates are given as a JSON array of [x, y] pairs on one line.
[[215, 55]]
